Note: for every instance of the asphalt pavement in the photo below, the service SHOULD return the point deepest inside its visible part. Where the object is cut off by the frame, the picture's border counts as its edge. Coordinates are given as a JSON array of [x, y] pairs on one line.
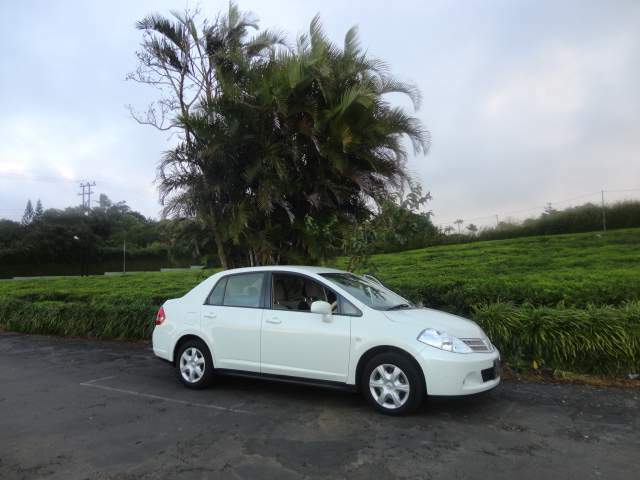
[[81, 409]]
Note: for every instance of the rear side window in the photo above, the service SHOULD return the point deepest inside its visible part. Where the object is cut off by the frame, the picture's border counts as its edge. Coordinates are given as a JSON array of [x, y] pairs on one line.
[[217, 294], [244, 290]]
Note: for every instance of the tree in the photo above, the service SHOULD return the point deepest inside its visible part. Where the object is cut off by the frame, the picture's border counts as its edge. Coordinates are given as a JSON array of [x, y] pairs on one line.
[[193, 65], [448, 230], [39, 211], [282, 151], [549, 210], [459, 223], [473, 229], [104, 201], [400, 223], [27, 217]]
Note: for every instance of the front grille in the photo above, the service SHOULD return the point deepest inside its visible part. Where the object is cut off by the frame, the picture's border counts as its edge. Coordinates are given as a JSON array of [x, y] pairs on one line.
[[478, 344]]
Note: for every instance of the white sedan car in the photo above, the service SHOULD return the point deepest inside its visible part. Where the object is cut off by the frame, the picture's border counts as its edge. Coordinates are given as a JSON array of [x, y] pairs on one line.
[[325, 327]]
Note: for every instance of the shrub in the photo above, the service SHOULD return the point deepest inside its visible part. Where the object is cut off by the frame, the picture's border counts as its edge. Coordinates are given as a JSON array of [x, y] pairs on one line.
[[131, 321], [595, 339]]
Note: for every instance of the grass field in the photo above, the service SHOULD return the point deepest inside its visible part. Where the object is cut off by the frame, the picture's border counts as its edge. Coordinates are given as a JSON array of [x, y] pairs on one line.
[[577, 269], [569, 302]]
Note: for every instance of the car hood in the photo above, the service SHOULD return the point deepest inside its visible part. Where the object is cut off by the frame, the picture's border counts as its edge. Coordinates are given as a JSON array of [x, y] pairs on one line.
[[423, 318]]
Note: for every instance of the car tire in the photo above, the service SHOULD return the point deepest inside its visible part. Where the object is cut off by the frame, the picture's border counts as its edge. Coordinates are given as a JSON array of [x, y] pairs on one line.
[[194, 364], [393, 384]]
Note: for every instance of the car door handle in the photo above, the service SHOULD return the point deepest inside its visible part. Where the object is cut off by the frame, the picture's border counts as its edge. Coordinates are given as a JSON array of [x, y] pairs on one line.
[[274, 320], [209, 315]]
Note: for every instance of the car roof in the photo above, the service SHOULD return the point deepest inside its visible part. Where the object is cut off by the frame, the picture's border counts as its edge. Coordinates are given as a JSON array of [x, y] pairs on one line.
[[284, 268]]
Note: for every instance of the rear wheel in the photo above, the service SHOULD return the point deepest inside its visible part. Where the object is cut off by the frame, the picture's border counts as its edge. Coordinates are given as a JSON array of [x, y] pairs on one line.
[[393, 384], [194, 364]]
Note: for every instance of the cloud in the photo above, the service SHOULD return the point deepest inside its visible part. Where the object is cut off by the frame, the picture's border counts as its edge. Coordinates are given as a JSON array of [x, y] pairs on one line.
[[527, 102]]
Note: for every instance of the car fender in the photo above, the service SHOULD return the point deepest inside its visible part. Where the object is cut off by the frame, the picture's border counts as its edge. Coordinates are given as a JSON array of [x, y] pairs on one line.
[[361, 347], [196, 333]]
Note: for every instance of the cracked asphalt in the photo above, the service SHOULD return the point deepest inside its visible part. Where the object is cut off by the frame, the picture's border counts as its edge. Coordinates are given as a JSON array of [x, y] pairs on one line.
[[81, 409]]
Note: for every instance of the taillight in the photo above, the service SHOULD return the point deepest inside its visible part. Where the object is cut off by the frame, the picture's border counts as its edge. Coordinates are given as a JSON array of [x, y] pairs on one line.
[[160, 317]]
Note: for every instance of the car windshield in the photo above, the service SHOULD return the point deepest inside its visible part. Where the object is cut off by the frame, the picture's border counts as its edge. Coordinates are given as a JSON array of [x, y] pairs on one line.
[[370, 293]]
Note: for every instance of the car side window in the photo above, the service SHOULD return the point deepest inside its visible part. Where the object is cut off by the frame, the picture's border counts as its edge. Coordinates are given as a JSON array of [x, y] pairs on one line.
[[295, 292], [243, 290], [217, 294], [347, 308]]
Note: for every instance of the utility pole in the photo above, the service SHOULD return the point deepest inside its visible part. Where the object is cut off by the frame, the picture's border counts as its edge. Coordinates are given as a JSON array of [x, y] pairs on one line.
[[604, 216], [89, 192], [497, 221], [124, 257], [82, 186], [86, 203]]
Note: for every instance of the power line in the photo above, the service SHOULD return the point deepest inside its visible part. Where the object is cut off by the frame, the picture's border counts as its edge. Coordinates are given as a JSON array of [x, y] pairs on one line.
[[577, 198], [625, 190]]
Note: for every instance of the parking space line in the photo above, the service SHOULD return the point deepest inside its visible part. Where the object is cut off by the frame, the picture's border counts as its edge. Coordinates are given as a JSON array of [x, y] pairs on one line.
[[86, 384], [91, 383]]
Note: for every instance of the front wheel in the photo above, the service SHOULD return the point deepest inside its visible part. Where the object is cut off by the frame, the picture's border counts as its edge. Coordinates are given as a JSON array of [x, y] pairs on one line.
[[392, 384], [194, 364]]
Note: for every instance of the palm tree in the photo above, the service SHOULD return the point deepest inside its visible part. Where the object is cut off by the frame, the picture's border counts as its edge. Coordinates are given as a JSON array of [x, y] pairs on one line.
[[334, 145], [197, 67], [282, 150], [459, 223]]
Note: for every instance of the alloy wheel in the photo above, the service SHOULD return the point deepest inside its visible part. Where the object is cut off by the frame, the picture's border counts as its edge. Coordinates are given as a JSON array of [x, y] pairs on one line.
[[389, 386], [192, 365]]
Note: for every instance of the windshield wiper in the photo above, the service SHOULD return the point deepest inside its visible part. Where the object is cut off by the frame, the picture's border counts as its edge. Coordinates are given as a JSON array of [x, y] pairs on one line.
[[399, 306]]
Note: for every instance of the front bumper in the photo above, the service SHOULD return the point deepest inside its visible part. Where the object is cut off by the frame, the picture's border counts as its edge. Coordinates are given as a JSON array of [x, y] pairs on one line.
[[449, 373]]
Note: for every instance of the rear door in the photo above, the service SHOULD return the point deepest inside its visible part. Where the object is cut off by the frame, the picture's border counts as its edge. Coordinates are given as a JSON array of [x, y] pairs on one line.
[[231, 319], [296, 342]]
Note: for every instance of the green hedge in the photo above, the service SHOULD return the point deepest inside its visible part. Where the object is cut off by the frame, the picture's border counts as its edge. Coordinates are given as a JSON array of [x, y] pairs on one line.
[[121, 307], [594, 339], [589, 340], [131, 321]]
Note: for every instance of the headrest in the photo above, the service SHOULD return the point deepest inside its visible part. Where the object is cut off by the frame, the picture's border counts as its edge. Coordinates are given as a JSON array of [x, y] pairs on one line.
[[279, 292], [314, 290]]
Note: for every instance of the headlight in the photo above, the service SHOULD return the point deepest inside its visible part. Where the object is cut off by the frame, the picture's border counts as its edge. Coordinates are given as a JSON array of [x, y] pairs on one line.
[[443, 341]]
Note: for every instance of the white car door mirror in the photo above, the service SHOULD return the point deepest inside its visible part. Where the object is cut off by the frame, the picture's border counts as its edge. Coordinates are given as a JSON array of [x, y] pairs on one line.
[[322, 307]]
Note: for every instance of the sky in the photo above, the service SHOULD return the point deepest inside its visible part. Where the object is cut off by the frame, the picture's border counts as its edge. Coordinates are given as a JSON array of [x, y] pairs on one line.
[[527, 102]]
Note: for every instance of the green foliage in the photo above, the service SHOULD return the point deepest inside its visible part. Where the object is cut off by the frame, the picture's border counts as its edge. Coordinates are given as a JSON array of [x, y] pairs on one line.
[[48, 239], [37, 214], [400, 224], [102, 307], [282, 148], [28, 215], [566, 301], [569, 302], [594, 339], [577, 269]]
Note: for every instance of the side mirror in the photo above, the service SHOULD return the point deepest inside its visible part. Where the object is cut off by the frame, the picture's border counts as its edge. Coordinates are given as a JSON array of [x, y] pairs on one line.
[[322, 307]]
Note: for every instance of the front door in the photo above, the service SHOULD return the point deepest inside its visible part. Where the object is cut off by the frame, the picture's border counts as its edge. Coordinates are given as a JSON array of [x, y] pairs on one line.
[[231, 320], [296, 342]]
